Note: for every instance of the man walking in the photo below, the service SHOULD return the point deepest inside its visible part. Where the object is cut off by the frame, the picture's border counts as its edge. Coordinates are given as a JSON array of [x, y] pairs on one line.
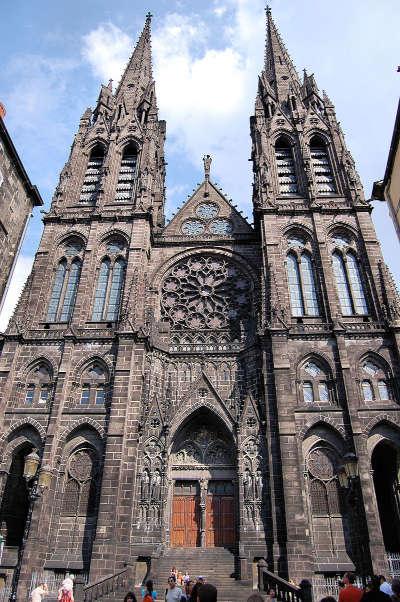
[[350, 593], [174, 593], [39, 591]]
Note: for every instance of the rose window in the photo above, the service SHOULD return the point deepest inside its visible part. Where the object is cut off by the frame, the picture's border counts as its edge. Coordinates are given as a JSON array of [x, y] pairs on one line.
[[206, 293]]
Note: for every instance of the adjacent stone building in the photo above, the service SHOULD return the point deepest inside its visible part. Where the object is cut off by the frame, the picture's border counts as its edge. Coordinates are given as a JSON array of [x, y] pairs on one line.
[[17, 199], [205, 383]]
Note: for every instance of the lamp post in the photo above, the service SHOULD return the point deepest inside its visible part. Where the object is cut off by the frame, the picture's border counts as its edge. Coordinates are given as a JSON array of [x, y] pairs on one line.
[[348, 480], [38, 479]]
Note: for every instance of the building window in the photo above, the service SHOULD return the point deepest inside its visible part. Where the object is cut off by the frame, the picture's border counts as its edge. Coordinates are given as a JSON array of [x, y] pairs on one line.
[[323, 175], [376, 386], [80, 487], [29, 394], [100, 394], [302, 289], [44, 394], [65, 285], [126, 176], [287, 180], [317, 384], [109, 288], [85, 395], [92, 179], [349, 284], [323, 488]]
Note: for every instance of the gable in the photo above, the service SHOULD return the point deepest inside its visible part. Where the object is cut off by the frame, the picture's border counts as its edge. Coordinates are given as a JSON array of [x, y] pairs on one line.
[[208, 215]]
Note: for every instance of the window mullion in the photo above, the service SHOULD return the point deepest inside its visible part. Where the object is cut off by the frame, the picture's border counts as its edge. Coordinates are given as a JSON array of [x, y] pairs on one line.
[[348, 284], [108, 290], [63, 290]]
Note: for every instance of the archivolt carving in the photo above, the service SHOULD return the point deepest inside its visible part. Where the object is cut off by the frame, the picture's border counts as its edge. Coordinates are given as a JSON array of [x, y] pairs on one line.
[[204, 447]]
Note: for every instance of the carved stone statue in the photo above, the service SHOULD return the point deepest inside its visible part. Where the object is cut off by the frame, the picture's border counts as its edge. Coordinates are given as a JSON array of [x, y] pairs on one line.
[[247, 484], [259, 484], [207, 165], [156, 486], [144, 485]]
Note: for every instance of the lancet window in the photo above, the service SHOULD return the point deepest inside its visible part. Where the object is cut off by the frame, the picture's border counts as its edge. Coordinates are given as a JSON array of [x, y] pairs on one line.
[[92, 178], [110, 283], [287, 178], [317, 385], [301, 278], [38, 386], [374, 382], [324, 181], [323, 483], [65, 284], [94, 385], [348, 276], [127, 173]]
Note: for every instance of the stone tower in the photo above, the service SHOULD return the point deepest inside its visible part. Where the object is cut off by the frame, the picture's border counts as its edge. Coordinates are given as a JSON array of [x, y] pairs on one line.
[[204, 384]]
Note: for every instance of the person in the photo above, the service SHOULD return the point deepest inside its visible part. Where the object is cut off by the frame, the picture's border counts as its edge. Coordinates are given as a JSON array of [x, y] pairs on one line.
[[39, 591], [373, 593], [130, 597], [174, 593], [385, 586], [186, 577], [66, 591], [207, 593], [271, 596], [174, 572], [188, 590], [149, 594], [396, 590], [328, 599], [350, 593]]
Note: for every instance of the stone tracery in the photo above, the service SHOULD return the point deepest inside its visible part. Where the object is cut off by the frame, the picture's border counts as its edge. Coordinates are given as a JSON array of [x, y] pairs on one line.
[[206, 293]]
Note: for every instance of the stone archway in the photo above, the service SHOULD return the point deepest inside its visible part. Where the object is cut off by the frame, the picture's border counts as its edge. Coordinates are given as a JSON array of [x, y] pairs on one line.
[[203, 478], [386, 473]]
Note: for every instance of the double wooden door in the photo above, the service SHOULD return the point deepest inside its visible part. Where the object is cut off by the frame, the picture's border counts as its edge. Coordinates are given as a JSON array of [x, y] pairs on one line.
[[219, 515]]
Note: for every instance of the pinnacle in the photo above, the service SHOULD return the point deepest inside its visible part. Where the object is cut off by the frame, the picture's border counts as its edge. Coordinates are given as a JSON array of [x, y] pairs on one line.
[[138, 72], [278, 66]]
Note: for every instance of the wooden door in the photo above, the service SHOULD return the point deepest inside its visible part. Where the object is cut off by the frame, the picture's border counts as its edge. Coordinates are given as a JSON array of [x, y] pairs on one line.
[[220, 515], [185, 531]]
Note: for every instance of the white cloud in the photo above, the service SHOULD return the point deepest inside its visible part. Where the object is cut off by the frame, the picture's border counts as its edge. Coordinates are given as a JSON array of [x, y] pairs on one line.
[[107, 49], [22, 270]]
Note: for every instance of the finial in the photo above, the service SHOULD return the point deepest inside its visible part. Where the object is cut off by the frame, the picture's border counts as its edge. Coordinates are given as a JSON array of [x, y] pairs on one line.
[[110, 83], [268, 9], [207, 165], [148, 17]]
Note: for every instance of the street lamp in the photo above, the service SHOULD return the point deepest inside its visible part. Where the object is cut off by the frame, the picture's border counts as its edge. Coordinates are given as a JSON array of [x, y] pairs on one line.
[[38, 479]]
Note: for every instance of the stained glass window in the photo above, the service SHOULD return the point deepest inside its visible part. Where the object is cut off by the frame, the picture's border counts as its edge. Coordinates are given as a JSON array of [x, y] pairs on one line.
[[308, 392], [319, 501], [356, 285], [370, 368], [296, 300], [85, 395], [308, 285], [322, 169], [29, 395], [368, 393], [100, 395], [71, 290], [57, 290], [323, 391], [342, 285], [286, 168], [383, 390], [312, 369], [101, 290], [117, 282]]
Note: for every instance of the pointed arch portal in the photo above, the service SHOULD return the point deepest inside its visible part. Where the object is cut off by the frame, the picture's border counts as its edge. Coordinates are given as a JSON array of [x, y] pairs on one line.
[[203, 477]]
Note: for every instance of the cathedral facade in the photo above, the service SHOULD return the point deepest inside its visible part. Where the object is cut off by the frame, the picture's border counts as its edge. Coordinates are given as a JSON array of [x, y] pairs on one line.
[[205, 382]]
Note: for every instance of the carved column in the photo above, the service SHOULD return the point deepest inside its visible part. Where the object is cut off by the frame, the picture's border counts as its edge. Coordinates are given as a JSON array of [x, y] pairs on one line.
[[203, 510]]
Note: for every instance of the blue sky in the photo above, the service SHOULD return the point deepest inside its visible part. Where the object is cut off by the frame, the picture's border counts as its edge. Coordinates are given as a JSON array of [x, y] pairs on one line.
[[207, 56]]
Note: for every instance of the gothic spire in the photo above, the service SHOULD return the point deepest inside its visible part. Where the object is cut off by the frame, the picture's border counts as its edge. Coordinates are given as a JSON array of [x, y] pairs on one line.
[[279, 69], [138, 74]]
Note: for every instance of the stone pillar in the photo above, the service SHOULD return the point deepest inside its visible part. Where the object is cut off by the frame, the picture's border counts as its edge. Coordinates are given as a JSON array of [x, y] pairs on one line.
[[203, 509]]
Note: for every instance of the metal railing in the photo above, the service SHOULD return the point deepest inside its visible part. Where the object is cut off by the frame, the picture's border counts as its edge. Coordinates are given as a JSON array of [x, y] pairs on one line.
[[118, 582], [285, 591], [393, 560]]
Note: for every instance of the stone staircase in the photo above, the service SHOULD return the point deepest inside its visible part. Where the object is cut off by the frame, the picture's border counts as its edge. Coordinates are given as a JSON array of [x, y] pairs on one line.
[[217, 565]]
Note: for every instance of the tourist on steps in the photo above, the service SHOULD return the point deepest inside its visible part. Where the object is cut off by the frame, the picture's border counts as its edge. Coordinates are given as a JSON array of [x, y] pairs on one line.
[[350, 593], [149, 594], [207, 593], [130, 597], [173, 593], [39, 591]]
